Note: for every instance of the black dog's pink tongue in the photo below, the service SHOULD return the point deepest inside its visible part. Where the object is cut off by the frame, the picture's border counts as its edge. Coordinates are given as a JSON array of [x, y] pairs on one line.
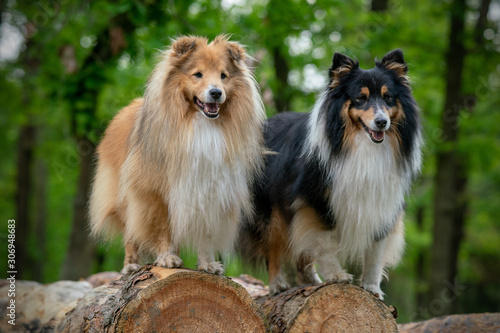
[[377, 135], [212, 107]]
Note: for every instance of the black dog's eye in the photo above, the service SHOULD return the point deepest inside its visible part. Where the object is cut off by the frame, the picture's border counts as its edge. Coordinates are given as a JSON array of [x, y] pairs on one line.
[[387, 98], [223, 76], [361, 99], [198, 75]]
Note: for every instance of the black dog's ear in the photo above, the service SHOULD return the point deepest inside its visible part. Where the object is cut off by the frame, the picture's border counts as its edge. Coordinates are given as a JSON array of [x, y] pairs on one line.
[[395, 61], [341, 66], [184, 45]]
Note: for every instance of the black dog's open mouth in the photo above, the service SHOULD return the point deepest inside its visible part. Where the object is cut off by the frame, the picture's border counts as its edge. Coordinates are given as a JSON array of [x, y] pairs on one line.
[[375, 136], [211, 110]]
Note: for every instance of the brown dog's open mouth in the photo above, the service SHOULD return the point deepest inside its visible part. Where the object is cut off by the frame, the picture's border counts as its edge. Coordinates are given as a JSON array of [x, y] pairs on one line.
[[375, 136], [210, 110]]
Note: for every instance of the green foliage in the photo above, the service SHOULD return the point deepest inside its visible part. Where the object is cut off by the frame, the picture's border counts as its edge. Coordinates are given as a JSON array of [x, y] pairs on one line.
[[37, 87]]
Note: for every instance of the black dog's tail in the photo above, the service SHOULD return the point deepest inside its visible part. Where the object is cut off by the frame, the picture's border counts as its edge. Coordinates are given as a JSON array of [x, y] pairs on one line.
[[251, 243]]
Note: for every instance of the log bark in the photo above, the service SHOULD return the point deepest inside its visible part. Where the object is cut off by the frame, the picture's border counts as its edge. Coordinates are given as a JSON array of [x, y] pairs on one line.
[[155, 299], [36, 304], [328, 307], [475, 322], [158, 299]]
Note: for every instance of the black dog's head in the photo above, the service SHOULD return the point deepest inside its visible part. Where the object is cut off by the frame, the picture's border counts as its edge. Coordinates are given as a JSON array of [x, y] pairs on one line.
[[377, 101]]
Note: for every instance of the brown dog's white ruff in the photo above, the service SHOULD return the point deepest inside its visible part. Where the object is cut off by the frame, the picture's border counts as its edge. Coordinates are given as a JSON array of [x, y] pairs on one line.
[[174, 168]]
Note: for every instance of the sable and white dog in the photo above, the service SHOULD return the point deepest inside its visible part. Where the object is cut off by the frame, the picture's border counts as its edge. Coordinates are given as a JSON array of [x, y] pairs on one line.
[[175, 167]]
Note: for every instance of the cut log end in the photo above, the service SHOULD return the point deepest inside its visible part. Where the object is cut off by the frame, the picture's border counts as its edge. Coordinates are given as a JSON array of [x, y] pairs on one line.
[[191, 301], [155, 299], [328, 308]]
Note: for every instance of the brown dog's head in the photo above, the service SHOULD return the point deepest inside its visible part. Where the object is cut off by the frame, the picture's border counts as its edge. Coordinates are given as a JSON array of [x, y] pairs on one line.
[[207, 74]]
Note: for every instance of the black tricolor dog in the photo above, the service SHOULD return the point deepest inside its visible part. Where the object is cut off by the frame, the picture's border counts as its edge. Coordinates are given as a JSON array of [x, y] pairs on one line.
[[334, 191]]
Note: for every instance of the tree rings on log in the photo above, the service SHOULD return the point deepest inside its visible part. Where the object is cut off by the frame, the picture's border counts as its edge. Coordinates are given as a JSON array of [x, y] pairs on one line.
[[329, 307], [155, 299]]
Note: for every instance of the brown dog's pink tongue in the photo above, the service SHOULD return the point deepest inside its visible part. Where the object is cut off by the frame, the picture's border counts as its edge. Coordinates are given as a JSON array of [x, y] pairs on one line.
[[212, 107], [378, 135]]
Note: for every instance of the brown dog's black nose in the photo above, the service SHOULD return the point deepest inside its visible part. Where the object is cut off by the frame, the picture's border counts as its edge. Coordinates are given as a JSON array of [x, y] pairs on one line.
[[215, 93], [381, 122]]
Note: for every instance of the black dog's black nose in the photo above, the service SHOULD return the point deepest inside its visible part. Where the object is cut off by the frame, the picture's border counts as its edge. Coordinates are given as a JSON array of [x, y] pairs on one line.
[[381, 122], [215, 93]]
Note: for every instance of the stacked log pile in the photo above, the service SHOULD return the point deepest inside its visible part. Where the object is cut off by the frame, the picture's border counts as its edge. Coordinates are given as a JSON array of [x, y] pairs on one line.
[[155, 299]]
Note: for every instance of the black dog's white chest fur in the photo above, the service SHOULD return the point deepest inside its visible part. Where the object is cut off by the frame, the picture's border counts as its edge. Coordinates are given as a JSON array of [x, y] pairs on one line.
[[367, 194]]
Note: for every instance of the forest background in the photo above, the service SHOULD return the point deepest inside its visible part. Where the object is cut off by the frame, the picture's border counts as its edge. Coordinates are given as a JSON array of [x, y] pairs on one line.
[[68, 66]]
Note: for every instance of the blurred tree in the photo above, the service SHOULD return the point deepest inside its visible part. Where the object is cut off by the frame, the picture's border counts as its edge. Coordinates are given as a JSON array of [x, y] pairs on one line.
[[23, 194], [379, 5], [83, 93], [83, 97], [449, 200], [25, 164]]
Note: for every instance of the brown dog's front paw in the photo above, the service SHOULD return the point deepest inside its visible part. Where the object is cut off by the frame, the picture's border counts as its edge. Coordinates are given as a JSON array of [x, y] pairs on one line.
[[215, 267], [129, 268], [168, 261]]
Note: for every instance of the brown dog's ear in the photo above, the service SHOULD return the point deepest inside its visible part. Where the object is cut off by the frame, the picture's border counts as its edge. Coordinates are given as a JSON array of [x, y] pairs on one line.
[[236, 51], [184, 45], [394, 61], [341, 66]]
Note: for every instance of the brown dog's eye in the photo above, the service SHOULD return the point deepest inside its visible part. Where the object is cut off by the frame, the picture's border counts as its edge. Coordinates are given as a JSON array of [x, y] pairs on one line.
[[387, 98], [223, 76], [198, 75]]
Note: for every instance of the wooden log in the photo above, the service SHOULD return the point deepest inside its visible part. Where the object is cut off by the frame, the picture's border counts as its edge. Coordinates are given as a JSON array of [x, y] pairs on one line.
[[36, 303], [255, 287], [155, 299], [102, 278], [328, 307], [475, 322]]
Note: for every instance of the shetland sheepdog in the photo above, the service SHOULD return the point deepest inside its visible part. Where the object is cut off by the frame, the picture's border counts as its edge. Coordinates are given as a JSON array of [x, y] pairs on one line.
[[334, 191], [175, 167]]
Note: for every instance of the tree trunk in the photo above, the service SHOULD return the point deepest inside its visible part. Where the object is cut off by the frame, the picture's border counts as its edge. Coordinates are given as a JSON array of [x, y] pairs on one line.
[[379, 5], [329, 307], [23, 196], [476, 322], [40, 218], [79, 257], [481, 22], [422, 292], [110, 43], [282, 95], [155, 299], [449, 200]]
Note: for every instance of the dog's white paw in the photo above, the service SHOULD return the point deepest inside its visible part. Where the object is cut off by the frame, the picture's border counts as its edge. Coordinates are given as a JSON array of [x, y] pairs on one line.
[[168, 261], [278, 285], [129, 268], [215, 267], [374, 289], [340, 277]]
